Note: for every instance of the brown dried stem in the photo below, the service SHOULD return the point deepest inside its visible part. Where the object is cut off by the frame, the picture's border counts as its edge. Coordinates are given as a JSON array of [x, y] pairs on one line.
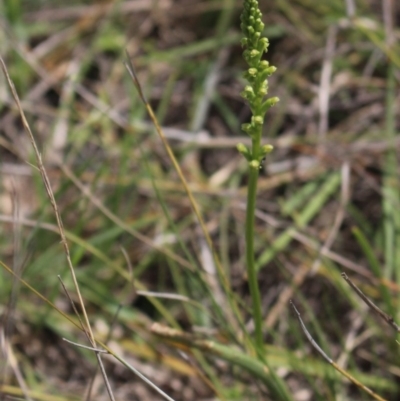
[[389, 319]]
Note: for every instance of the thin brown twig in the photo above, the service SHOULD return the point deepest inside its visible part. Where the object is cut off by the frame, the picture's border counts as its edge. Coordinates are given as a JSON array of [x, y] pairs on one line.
[[308, 335], [72, 305], [389, 319]]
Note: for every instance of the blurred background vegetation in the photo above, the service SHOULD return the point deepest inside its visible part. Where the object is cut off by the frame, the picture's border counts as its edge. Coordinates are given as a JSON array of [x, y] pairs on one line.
[[328, 196]]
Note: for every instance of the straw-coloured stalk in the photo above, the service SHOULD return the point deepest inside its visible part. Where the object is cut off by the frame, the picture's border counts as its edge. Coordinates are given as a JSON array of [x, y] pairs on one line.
[[389, 319]]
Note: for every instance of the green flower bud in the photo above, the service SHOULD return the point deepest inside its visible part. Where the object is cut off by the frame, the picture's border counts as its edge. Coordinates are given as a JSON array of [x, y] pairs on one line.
[[248, 93], [262, 46], [263, 91], [255, 164], [254, 53], [265, 149], [269, 103], [273, 101], [252, 72], [246, 127], [257, 120], [243, 149]]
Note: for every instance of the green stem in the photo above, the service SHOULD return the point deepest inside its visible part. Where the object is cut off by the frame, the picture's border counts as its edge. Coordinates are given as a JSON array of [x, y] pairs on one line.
[[255, 93], [250, 262]]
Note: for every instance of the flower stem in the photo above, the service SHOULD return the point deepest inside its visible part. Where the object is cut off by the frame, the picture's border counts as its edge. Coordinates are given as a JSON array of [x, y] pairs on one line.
[[255, 92], [250, 262]]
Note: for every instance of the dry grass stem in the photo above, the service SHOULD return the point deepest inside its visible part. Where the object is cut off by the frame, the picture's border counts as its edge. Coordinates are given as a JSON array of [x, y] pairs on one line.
[[389, 319]]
